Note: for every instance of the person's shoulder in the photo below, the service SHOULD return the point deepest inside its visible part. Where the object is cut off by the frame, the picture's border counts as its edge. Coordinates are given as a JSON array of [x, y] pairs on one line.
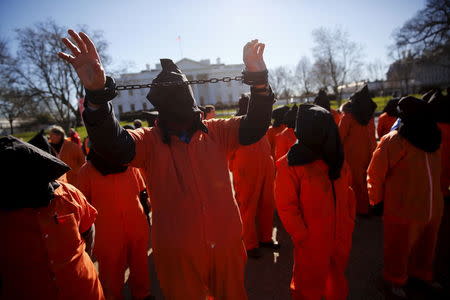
[[69, 144], [87, 167], [391, 137], [214, 123], [282, 162], [143, 132], [68, 193]]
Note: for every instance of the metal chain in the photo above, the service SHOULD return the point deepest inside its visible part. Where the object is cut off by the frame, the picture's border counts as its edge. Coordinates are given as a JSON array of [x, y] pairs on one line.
[[177, 83]]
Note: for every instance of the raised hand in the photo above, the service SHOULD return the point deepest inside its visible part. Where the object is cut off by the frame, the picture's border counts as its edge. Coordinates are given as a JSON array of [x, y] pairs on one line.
[[85, 60], [253, 56]]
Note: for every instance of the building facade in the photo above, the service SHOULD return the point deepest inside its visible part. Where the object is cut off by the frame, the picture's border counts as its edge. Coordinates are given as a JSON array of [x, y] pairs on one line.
[[210, 93]]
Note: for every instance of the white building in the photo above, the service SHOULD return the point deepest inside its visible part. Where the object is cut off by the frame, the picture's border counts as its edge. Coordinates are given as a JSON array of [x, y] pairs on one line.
[[210, 93]]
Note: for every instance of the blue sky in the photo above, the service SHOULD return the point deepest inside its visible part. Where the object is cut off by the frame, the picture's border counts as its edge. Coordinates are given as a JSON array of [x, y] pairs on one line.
[[144, 31]]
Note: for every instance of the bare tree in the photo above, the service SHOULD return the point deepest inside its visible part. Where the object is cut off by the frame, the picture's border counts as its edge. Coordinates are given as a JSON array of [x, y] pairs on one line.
[[428, 31], [376, 70], [337, 58], [40, 71], [319, 74], [304, 76], [14, 104], [401, 71], [281, 81]]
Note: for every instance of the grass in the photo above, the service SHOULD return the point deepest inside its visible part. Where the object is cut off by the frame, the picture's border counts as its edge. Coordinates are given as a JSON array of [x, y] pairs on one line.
[[221, 114]]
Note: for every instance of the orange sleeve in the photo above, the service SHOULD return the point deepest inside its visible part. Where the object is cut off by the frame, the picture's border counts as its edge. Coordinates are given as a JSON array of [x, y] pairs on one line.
[[372, 137], [381, 125], [351, 198], [139, 179], [84, 182], [143, 147], [376, 172], [351, 203], [86, 212], [281, 147], [225, 132], [80, 155], [344, 126], [287, 193]]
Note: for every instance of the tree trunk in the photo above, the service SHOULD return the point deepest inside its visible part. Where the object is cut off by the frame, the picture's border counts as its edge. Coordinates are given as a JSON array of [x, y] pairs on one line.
[[11, 128]]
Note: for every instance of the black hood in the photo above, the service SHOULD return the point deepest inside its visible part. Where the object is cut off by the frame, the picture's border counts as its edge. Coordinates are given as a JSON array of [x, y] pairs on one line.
[[361, 106], [175, 103], [417, 124], [318, 139], [290, 116], [322, 100], [440, 107], [31, 173], [102, 165], [278, 115], [391, 107], [243, 105], [40, 141]]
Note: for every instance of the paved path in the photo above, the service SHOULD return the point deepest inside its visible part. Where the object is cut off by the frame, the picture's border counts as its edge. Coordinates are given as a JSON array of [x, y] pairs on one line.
[[268, 278]]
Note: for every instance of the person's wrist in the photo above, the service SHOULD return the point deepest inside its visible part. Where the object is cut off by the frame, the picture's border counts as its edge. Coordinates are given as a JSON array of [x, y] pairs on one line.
[[103, 95]]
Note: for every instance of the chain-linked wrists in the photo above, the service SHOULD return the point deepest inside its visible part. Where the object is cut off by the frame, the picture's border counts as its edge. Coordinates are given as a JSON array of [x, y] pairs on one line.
[[255, 78], [264, 91], [104, 95]]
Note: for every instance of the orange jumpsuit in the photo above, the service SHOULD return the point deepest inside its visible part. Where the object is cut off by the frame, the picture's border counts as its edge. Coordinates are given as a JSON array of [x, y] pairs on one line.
[[407, 179], [271, 134], [43, 255], [73, 156], [337, 116], [359, 142], [445, 151], [385, 122], [253, 176], [320, 227], [190, 190], [122, 231], [284, 142]]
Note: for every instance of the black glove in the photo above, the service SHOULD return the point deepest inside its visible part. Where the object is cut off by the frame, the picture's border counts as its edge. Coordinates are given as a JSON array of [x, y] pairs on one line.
[[100, 97], [255, 78]]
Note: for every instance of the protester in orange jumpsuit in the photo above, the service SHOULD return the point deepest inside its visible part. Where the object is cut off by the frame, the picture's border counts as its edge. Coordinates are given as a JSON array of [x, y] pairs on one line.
[[122, 232], [74, 137], [357, 131], [405, 173], [387, 118], [323, 101], [67, 151], [285, 139], [317, 206], [196, 226], [253, 176], [277, 127], [44, 224], [440, 107]]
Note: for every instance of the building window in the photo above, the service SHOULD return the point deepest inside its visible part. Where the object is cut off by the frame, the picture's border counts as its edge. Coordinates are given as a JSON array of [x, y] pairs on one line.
[[120, 108], [132, 107], [130, 92], [144, 106]]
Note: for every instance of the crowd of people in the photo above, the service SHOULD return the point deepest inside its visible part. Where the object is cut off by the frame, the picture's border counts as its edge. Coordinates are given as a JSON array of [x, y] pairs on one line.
[[207, 189]]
